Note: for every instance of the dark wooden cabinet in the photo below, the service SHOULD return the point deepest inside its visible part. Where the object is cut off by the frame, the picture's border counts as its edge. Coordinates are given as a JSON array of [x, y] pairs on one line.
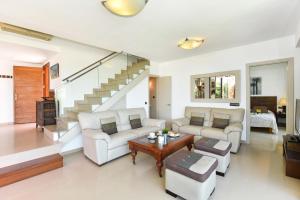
[[292, 157], [281, 119], [45, 113]]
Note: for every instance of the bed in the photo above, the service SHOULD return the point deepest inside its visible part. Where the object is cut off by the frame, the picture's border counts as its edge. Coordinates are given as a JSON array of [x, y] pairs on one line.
[[265, 120]]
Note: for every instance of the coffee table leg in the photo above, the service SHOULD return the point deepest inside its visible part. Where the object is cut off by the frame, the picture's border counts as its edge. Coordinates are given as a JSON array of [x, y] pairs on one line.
[[189, 146], [159, 166], [133, 155]]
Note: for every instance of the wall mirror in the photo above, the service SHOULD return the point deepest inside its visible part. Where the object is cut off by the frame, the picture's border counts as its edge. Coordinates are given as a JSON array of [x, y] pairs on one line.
[[219, 87]]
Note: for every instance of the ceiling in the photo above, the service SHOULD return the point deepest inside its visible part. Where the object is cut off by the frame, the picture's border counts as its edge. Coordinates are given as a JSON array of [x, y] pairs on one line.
[[24, 54], [154, 32]]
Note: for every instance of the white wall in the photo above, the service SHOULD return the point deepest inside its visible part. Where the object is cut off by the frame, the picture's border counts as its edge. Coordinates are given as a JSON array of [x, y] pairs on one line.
[[224, 60], [7, 89], [121, 104], [274, 79], [297, 35], [139, 95]]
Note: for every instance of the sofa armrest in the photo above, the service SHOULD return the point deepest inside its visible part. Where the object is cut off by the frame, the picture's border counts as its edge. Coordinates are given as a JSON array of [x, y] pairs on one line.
[[233, 127], [181, 121], [154, 122], [96, 135]]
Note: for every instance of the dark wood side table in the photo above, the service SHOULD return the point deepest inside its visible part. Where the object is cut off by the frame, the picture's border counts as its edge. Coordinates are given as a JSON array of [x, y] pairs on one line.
[[45, 113], [281, 119], [292, 159]]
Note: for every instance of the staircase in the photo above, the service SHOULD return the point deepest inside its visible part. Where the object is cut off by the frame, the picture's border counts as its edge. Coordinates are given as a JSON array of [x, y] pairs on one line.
[[101, 98]]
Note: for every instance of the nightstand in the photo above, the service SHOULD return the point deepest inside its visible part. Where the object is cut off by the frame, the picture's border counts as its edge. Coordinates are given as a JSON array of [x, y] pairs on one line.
[[281, 119]]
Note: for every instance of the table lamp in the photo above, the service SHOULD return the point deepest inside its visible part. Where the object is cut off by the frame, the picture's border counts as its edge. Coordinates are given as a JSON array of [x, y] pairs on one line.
[[283, 103]]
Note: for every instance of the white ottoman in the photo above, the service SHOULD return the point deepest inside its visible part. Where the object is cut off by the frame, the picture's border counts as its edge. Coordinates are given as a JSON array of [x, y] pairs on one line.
[[215, 148], [190, 175]]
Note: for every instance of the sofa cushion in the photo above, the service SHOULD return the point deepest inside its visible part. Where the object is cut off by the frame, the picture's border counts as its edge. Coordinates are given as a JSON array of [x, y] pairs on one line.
[[214, 133], [92, 120], [204, 111], [139, 132], [124, 117], [190, 129], [120, 139], [135, 121], [220, 115], [236, 115], [220, 123], [197, 119], [109, 126]]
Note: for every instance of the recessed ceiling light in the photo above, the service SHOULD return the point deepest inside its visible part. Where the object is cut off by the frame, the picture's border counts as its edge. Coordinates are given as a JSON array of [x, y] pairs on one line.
[[125, 8], [190, 43]]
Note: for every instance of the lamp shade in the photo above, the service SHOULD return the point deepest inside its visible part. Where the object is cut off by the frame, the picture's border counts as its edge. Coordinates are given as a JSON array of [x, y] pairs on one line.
[[283, 101], [124, 7], [190, 43]]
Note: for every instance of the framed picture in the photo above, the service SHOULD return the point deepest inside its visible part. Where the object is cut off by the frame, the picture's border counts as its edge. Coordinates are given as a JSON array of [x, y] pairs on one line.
[[54, 71], [219, 87], [255, 88]]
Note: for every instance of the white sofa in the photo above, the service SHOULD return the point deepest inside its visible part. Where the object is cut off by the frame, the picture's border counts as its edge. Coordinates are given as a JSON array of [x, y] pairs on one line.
[[101, 147], [231, 133]]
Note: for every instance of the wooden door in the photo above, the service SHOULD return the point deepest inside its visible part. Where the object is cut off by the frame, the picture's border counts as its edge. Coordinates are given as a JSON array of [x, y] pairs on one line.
[[28, 88], [152, 98], [46, 80]]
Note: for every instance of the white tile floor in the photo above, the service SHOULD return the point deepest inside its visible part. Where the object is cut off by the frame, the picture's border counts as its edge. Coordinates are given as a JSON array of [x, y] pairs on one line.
[[21, 137], [255, 173]]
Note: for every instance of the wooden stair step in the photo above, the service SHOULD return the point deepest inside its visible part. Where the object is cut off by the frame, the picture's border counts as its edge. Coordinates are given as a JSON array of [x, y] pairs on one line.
[[21, 171]]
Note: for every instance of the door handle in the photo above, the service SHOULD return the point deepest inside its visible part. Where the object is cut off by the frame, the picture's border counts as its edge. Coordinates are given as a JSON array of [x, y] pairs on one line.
[[168, 104]]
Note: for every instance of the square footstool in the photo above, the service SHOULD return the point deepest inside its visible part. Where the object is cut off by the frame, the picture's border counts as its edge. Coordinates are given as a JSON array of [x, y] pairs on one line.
[[190, 175], [215, 148]]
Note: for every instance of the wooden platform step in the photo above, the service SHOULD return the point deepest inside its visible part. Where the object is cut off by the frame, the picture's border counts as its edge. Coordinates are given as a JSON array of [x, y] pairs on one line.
[[21, 171]]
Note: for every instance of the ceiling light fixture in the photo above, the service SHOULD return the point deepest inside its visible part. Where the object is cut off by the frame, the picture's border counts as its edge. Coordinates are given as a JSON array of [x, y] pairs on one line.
[[125, 8], [190, 43]]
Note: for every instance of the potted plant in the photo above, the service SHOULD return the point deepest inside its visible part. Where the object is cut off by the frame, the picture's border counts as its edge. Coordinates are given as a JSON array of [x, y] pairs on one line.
[[165, 131]]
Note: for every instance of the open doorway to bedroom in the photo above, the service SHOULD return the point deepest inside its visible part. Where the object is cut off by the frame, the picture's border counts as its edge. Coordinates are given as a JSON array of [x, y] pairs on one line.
[[270, 99]]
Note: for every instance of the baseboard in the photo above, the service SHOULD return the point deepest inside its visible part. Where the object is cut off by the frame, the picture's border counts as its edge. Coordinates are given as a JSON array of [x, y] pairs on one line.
[[72, 151], [7, 123], [21, 171]]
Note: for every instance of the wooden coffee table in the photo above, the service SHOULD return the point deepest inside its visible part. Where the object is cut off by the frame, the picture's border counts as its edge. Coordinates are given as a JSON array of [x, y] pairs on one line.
[[158, 151]]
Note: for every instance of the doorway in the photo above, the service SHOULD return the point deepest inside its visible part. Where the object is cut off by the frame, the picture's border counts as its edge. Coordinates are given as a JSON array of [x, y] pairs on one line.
[[46, 80], [270, 97], [160, 94], [153, 97], [28, 88]]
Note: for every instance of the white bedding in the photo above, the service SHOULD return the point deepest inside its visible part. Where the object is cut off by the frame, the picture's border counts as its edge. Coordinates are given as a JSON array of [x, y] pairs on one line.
[[264, 120]]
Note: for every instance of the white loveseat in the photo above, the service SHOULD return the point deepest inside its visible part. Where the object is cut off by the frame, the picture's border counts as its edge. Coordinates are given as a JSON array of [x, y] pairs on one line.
[[101, 147], [231, 133]]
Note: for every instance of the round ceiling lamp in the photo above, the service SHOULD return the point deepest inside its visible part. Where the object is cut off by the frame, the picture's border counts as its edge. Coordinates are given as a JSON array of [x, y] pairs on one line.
[[190, 43], [125, 8]]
